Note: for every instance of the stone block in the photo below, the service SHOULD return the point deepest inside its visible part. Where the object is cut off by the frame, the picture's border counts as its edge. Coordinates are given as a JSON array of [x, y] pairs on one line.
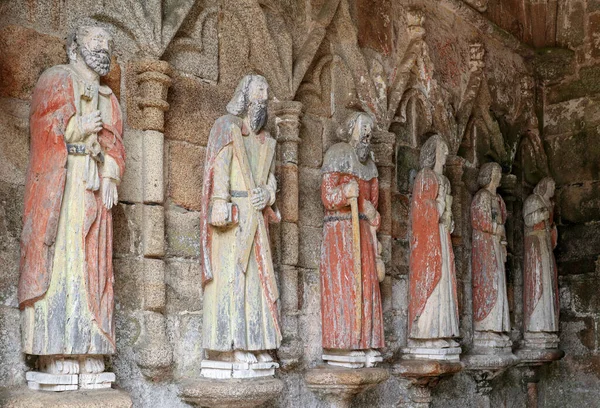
[[194, 107], [594, 33], [153, 353], [128, 289], [131, 189], [25, 55], [22, 397], [10, 234], [579, 203], [127, 229], [573, 157], [183, 232], [311, 292], [289, 243], [153, 231], [570, 23], [288, 281], [587, 84], [578, 242], [584, 295], [310, 247], [183, 285], [571, 116], [288, 195], [311, 210], [577, 334], [310, 150], [153, 147], [186, 167], [12, 369], [14, 145], [185, 334], [153, 281], [96, 381]]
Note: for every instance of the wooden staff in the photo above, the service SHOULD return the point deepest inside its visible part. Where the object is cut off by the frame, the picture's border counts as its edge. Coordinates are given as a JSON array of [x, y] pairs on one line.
[[357, 262]]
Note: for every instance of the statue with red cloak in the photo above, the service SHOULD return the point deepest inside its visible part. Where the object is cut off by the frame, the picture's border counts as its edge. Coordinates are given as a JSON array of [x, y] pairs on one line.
[[433, 304], [351, 266], [491, 318], [77, 159], [540, 292]]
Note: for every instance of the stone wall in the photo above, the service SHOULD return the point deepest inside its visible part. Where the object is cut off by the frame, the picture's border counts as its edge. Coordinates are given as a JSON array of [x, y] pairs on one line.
[[319, 53]]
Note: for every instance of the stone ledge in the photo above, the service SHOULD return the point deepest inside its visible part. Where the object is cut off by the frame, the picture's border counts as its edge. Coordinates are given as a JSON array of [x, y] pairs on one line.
[[23, 397], [229, 393]]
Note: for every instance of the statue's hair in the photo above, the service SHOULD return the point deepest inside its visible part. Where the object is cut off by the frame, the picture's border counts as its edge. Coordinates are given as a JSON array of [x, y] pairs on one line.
[[428, 151], [238, 105], [74, 37], [542, 187], [485, 173], [345, 130]]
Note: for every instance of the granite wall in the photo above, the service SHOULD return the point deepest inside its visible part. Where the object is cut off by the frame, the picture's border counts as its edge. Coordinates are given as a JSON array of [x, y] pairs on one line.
[[320, 53]]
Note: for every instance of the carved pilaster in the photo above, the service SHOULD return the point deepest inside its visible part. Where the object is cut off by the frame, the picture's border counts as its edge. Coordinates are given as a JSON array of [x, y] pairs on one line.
[[287, 122], [152, 351]]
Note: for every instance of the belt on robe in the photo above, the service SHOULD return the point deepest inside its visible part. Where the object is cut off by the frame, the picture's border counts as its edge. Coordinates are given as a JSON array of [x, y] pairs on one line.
[[343, 217], [76, 149], [238, 193]]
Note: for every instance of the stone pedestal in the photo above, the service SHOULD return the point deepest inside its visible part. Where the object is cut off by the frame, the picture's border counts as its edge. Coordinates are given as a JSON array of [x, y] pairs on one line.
[[234, 393], [26, 398], [338, 386], [225, 370], [436, 354], [531, 360], [484, 367], [423, 376]]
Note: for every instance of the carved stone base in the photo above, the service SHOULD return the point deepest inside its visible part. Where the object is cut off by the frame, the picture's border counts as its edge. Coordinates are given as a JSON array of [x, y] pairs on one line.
[[96, 381], [233, 393], [535, 357], [540, 340], [423, 375], [350, 359], [424, 353], [224, 369], [68, 382], [338, 386], [26, 398], [485, 367]]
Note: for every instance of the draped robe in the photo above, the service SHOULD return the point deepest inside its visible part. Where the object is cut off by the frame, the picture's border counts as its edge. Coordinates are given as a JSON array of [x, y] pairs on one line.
[[66, 281], [240, 307], [433, 306], [338, 294], [490, 299]]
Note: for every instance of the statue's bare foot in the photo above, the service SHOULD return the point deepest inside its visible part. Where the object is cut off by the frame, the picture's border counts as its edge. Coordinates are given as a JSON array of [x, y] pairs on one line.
[[245, 357], [59, 365], [92, 365], [264, 357]]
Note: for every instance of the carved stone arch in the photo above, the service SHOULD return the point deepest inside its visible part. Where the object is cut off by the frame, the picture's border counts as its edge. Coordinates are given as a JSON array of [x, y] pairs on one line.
[[315, 93], [195, 49]]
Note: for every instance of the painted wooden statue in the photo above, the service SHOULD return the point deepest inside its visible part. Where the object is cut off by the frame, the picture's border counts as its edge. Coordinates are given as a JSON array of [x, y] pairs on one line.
[[77, 160], [240, 290], [351, 269], [433, 308], [540, 292], [491, 317]]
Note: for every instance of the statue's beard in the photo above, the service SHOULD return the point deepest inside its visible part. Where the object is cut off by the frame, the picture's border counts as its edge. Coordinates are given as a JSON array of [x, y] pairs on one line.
[[99, 61], [363, 151], [257, 115]]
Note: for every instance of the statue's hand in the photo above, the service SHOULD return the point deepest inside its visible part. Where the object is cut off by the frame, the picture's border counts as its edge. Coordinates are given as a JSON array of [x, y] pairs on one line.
[[259, 198], [219, 213], [90, 123], [351, 189], [370, 211], [109, 192]]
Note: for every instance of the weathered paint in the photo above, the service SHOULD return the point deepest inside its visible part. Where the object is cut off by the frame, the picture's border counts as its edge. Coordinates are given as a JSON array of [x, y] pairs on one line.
[[339, 298], [54, 103]]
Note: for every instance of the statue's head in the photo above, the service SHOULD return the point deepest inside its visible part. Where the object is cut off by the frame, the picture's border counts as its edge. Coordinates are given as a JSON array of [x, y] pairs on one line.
[[545, 187], [490, 175], [93, 45], [250, 100], [434, 151], [357, 131]]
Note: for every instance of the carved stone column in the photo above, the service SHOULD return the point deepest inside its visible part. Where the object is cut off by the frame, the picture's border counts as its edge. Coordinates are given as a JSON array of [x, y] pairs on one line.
[[287, 122], [383, 148], [152, 351]]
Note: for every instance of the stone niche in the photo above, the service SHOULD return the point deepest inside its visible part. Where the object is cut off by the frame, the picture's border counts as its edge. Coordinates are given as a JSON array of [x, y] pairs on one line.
[[436, 67]]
